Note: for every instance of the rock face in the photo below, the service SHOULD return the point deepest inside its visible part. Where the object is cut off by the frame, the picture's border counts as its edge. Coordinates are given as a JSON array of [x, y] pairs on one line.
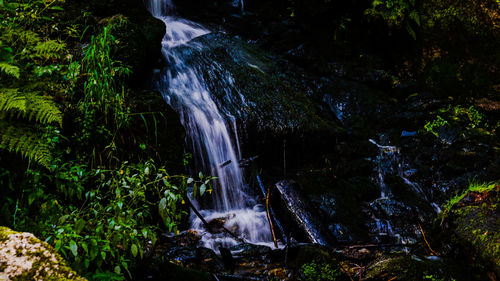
[[25, 257]]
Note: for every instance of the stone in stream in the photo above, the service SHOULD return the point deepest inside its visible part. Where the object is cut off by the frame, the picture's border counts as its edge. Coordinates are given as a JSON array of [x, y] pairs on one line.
[[216, 225], [249, 250], [187, 238], [25, 257]]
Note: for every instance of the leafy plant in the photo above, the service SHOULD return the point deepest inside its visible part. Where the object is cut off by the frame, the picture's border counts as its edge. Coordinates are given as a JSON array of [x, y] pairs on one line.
[[474, 186], [100, 88], [115, 223], [319, 272], [396, 13], [436, 123]]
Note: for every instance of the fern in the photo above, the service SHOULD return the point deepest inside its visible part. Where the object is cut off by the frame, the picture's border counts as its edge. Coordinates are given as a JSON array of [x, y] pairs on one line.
[[9, 69], [20, 36], [51, 49], [29, 106], [24, 140]]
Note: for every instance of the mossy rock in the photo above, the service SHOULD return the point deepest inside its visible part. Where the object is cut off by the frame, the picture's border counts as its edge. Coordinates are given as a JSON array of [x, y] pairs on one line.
[[410, 268], [275, 98], [475, 223], [25, 257]]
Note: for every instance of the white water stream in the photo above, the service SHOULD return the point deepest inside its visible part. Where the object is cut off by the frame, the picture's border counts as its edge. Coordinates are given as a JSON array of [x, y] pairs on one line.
[[211, 137]]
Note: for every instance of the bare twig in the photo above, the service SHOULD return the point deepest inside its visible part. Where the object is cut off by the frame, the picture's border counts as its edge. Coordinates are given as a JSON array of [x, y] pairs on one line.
[[269, 218], [426, 242]]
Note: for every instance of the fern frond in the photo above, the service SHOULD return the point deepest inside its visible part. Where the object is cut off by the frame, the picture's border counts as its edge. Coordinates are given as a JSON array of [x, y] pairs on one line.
[[49, 49], [25, 141], [21, 36], [9, 69], [30, 106]]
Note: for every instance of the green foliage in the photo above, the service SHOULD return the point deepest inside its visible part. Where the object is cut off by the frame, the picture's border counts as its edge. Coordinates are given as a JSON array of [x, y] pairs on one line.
[[50, 49], [474, 186], [101, 91], [112, 228], [434, 278], [465, 118], [26, 101], [26, 141], [436, 123], [396, 13], [474, 17], [29, 106], [24, 137], [10, 70], [319, 272]]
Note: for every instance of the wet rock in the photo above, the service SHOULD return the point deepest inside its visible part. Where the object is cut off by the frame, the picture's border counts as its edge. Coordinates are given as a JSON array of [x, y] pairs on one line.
[[209, 261], [171, 271], [258, 92], [227, 258], [360, 254], [216, 225], [183, 255], [25, 257], [413, 268], [249, 250], [187, 238]]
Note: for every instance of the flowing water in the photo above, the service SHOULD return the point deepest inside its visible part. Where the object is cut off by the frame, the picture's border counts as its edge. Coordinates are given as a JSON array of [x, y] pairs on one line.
[[212, 135]]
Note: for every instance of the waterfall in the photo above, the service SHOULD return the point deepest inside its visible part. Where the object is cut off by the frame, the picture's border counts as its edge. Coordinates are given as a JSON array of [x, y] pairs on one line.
[[209, 134]]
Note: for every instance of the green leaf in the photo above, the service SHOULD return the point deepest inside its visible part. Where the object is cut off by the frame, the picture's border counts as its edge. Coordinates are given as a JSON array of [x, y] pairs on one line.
[[203, 188], [162, 209], [118, 269], [190, 180], [73, 247], [80, 224], [58, 244], [134, 250], [85, 247]]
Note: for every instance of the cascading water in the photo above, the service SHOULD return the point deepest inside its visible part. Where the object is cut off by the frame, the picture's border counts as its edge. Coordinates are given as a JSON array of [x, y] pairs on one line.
[[209, 135], [390, 163]]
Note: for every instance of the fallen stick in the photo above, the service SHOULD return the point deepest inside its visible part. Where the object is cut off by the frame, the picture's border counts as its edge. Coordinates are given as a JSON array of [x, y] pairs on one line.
[[426, 242], [269, 218], [186, 199]]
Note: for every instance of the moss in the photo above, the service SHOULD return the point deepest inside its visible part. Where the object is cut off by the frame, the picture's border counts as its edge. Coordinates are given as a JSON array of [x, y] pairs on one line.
[[3, 266], [47, 263], [4, 233], [473, 220], [403, 267]]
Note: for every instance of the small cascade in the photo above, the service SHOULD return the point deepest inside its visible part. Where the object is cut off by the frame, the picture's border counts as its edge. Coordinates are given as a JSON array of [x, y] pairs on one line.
[[389, 163], [212, 135]]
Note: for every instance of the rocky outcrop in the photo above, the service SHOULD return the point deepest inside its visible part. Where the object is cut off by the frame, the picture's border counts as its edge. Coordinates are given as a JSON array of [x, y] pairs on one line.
[[25, 257]]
